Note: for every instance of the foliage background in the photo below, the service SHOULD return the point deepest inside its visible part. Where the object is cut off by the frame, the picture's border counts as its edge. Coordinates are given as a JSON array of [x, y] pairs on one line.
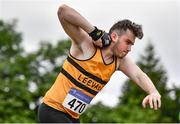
[[25, 77]]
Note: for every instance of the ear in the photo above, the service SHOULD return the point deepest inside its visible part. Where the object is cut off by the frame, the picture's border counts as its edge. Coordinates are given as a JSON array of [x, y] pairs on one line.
[[114, 36]]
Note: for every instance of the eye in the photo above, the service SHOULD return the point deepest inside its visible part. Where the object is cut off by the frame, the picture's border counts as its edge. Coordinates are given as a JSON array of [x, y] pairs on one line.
[[128, 42]]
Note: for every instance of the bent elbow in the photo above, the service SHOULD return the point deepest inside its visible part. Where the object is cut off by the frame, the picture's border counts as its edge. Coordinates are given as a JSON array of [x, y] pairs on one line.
[[61, 10]]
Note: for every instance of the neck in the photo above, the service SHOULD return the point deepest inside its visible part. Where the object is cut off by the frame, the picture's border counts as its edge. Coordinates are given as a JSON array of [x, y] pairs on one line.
[[108, 52]]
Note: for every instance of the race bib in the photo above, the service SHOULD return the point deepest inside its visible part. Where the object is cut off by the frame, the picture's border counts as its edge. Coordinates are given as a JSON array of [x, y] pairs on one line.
[[76, 101]]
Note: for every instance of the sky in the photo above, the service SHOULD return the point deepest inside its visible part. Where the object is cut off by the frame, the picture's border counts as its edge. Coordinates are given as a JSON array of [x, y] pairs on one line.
[[38, 21]]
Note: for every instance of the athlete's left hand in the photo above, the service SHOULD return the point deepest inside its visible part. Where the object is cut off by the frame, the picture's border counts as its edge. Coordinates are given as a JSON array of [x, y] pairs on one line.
[[153, 99]]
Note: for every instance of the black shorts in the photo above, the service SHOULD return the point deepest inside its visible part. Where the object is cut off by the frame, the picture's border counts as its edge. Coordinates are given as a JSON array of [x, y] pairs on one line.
[[47, 114]]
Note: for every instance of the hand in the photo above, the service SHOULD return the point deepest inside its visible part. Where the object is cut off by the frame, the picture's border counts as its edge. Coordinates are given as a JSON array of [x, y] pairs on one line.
[[103, 41], [98, 43], [100, 38], [153, 99]]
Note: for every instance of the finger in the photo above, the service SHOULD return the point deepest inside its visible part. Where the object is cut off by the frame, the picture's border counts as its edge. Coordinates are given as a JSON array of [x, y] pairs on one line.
[[155, 103], [143, 104], [150, 102], [145, 101], [99, 44], [159, 102]]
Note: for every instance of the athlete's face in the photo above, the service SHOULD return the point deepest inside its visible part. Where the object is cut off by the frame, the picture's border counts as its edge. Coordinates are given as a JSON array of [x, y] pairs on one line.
[[123, 44]]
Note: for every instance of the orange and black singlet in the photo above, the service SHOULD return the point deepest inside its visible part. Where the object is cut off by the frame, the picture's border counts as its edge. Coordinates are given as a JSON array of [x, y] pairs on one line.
[[78, 83]]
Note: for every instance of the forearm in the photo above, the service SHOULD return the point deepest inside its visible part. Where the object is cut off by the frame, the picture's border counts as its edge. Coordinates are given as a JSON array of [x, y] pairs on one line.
[[153, 98], [146, 84], [72, 16]]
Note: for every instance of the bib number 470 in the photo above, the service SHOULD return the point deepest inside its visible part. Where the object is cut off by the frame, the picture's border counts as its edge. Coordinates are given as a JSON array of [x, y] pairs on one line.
[[77, 105]]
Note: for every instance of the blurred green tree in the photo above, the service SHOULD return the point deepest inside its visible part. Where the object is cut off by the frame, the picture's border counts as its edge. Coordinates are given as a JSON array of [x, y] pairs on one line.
[[25, 77], [15, 69]]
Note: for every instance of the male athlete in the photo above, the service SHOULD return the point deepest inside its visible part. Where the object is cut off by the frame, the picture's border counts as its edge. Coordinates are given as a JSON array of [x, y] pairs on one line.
[[93, 57]]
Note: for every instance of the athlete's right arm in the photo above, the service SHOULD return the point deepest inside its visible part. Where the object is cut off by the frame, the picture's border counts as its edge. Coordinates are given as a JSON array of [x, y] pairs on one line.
[[73, 23]]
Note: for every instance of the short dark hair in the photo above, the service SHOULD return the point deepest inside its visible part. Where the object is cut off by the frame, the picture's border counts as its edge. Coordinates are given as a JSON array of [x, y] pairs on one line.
[[121, 26]]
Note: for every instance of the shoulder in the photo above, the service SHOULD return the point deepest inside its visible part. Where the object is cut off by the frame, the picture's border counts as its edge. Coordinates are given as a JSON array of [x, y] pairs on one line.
[[124, 62]]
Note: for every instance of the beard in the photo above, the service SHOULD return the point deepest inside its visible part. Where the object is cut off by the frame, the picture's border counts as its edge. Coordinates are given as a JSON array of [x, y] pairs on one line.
[[117, 53], [122, 54]]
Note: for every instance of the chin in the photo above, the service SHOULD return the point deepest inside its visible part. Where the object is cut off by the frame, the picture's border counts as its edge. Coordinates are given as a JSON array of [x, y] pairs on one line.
[[122, 55]]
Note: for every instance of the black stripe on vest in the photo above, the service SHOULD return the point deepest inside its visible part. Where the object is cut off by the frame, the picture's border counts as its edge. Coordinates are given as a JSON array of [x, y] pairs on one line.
[[74, 81], [85, 72]]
